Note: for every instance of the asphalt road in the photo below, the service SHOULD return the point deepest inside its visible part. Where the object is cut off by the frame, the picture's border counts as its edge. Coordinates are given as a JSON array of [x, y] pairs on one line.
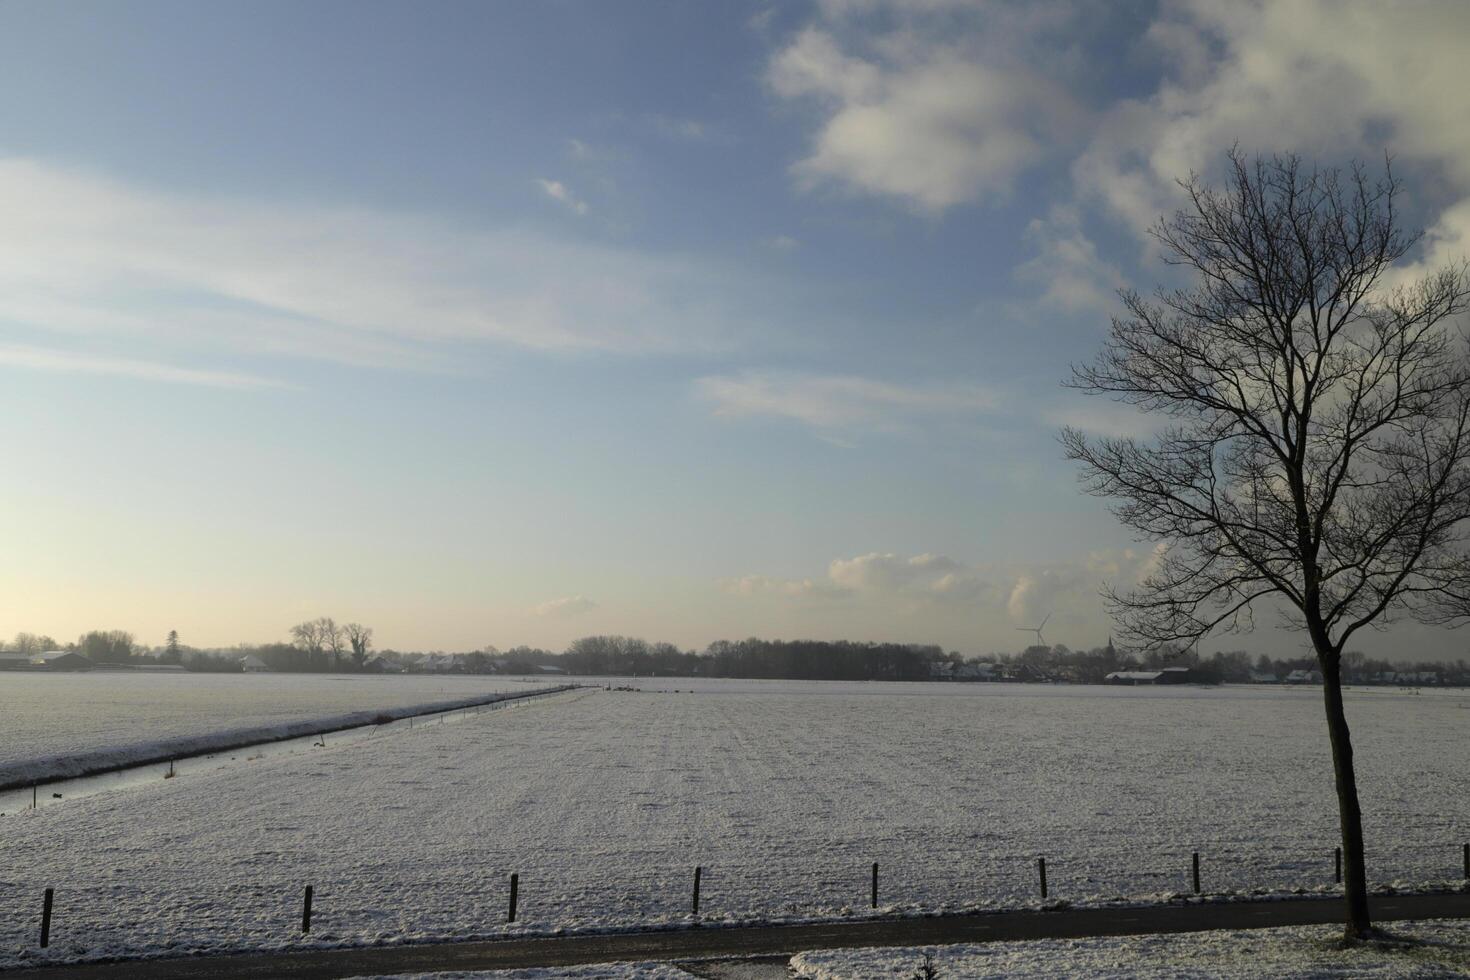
[[710, 943]]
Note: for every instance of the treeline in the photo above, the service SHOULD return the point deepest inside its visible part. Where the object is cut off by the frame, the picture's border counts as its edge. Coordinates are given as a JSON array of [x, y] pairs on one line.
[[322, 646], [782, 659], [1060, 664], [101, 647]]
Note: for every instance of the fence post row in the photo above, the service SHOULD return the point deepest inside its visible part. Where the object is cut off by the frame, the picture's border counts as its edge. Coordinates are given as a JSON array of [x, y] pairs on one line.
[[46, 919]]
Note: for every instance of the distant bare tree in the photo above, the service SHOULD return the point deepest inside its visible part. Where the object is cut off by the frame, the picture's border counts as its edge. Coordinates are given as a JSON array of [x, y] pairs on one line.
[[318, 637], [306, 637], [30, 644], [333, 639], [361, 640], [1316, 454]]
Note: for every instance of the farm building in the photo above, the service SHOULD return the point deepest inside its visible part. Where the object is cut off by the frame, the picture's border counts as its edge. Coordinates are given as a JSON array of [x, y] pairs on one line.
[[1169, 675], [61, 660], [14, 660], [251, 664], [1304, 677]]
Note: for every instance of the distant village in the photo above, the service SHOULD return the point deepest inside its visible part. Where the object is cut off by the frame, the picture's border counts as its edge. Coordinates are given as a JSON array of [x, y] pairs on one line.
[[324, 648]]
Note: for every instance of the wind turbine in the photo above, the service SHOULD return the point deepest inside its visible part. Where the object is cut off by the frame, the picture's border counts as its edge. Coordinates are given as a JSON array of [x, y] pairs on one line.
[[1040, 640]]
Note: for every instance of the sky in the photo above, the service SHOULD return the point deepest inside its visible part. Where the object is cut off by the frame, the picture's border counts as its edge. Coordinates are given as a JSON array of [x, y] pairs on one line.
[[516, 322]]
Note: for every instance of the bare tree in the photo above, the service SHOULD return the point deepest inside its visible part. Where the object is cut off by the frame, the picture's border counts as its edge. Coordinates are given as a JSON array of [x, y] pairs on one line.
[[307, 636], [1316, 454], [360, 638], [332, 639]]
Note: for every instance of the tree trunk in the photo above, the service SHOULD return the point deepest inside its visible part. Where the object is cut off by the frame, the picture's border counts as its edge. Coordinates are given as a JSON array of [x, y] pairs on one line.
[[1354, 873]]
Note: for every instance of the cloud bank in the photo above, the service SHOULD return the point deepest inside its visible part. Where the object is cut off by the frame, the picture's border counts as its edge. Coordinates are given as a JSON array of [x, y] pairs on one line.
[[566, 607], [111, 268]]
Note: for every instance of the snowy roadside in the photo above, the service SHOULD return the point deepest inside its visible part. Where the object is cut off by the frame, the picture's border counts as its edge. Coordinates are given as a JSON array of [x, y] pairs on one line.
[[1410, 951], [592, 971]]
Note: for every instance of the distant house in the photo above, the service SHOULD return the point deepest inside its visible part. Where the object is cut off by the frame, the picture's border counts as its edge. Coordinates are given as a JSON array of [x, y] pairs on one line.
[[1304, 677], [1168, 675], [14, 660], [975, 672], [1263, 677], [545, 669], [941, 670], [251, 664], [382, 665], [442, 663], [1134, 677], [61, 660]]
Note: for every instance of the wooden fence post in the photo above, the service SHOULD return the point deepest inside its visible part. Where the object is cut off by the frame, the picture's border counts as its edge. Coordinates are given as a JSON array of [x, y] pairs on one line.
[[515, 882], [306, 912], [1337, 865], [1196, 872], [875, 884], [1466, 853], [46, 919], [697, 870], [1041, 867]]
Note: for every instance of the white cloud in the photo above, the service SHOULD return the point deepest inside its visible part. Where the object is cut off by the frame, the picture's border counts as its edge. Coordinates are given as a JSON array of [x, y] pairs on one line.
[[92, 258], [69, 362], [838, 401], [999, 598], [757, 585], [1072, 588], [564, 608], [924, 113], [687, 130], [925, 579], [782, 243], [1326, 79], [937, 103], [1067, 269], [1102, 417], [560, 192]]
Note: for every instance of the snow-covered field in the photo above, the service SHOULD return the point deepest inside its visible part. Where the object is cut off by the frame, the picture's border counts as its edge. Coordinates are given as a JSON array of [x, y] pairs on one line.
[[68, 723], [604, 801], [1417, 950]]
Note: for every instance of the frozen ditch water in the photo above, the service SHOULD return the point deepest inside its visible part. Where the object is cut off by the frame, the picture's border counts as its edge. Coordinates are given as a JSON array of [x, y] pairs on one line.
[[44, 794]]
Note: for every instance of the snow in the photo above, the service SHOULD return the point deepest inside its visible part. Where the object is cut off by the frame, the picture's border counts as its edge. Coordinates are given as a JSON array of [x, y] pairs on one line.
[[55, 725], [604, 801], [1417, 950], [592, 971]]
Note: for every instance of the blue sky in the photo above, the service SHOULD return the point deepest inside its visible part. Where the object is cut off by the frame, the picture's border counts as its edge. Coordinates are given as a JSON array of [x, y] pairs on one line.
[[504, 323]]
